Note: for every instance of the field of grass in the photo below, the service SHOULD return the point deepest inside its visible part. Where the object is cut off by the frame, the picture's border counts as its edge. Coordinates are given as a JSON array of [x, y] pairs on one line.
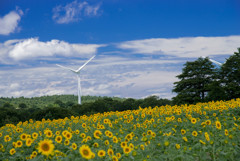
[[205, 131]]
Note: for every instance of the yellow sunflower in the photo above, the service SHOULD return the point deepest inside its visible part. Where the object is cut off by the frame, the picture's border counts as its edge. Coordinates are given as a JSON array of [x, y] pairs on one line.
[[194, 133], [29, 142], [58, 139], [68, 135], [101, 153], [218, 125], [178, 146], [12, 151], [183, 131], [114, 158], [19, 143], [34, 135], [226, 132], [193, 120], [127, 149], [74, 146], [23, 136], [110, 152], [85, 152], [7, 138], [45, 147]]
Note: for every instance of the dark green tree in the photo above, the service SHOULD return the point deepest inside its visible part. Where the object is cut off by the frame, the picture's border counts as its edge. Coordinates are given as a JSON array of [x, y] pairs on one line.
[[22, 105], [194, 82], [230, 73]]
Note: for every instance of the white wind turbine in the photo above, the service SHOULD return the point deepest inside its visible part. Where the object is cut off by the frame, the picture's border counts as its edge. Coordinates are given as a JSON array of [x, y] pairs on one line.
[[214, 61], [77, 72]]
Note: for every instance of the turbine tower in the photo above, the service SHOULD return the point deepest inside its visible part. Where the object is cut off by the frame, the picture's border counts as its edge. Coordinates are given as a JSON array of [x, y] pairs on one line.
[[77, 72]]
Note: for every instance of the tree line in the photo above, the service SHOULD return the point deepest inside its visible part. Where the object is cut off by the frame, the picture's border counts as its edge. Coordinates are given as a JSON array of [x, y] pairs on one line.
[[61, 109]]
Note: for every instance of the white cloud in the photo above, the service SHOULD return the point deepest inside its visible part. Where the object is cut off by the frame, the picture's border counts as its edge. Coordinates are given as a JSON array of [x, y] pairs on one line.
[[33, 48], [74, 11], [184, 47], [9, 22]]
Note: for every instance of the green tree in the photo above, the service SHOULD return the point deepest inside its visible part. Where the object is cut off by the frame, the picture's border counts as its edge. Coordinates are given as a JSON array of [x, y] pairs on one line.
[[22, 105], [194, 82], [230, 73]]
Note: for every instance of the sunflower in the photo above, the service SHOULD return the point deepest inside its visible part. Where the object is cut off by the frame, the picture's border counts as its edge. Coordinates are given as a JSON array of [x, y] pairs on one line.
[[45, 147], [114, 158], [101, 153], [19, 143], [149, 132], [29, 142], [48, 133], [34, 153], [123, 144], [23, 136], [74, 146], [83, 135], [127, 149], [77, 132], [193, 120], [202, 142], [68, 135], [95, 145], [208, 122], [166, 143], [110, 152], [195, 133], [177, 146], [66, 142], [84, 125], [226, 132], [12, 151], [115, 139], [34, 135], [57, 132], [118, 155], [85, 152], [185, 139], [207, 136], [218, 125], [7, 138], [106, 142], [183, 131], [110, 134], [58, 139]]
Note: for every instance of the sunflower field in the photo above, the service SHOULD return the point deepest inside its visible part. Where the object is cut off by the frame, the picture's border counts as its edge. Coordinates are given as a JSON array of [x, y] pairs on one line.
[[205, 131]]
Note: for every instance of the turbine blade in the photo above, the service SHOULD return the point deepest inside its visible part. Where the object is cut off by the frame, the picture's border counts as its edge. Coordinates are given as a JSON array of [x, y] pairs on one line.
[[85, 63], [66, 68], [214, 61]]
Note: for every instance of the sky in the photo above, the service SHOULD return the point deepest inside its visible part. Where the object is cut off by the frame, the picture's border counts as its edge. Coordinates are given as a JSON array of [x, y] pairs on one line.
[[140, 45]]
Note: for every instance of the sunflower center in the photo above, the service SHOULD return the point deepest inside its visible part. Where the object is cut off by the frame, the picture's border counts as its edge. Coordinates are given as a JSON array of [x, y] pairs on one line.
[[45, 147], [86, 152]]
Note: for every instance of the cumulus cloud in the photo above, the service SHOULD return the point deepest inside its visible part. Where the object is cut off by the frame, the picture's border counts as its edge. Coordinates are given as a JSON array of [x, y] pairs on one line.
[[9, 22], [184, 47], [74, 11], [33, 48]]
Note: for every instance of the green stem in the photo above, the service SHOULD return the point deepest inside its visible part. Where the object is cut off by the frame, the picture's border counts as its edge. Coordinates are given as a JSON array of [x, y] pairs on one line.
[[214, 152]]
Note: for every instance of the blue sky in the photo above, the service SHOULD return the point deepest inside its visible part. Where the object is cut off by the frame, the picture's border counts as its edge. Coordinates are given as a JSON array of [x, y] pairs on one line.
[[141, 45]]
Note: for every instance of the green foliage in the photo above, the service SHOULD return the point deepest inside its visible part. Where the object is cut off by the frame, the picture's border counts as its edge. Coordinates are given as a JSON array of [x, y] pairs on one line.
[[230, 73], [194, 82], [61, 107]]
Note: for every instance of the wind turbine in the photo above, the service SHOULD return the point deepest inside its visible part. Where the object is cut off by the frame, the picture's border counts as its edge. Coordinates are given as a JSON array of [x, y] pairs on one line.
[[214, 61], [77, 72]]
